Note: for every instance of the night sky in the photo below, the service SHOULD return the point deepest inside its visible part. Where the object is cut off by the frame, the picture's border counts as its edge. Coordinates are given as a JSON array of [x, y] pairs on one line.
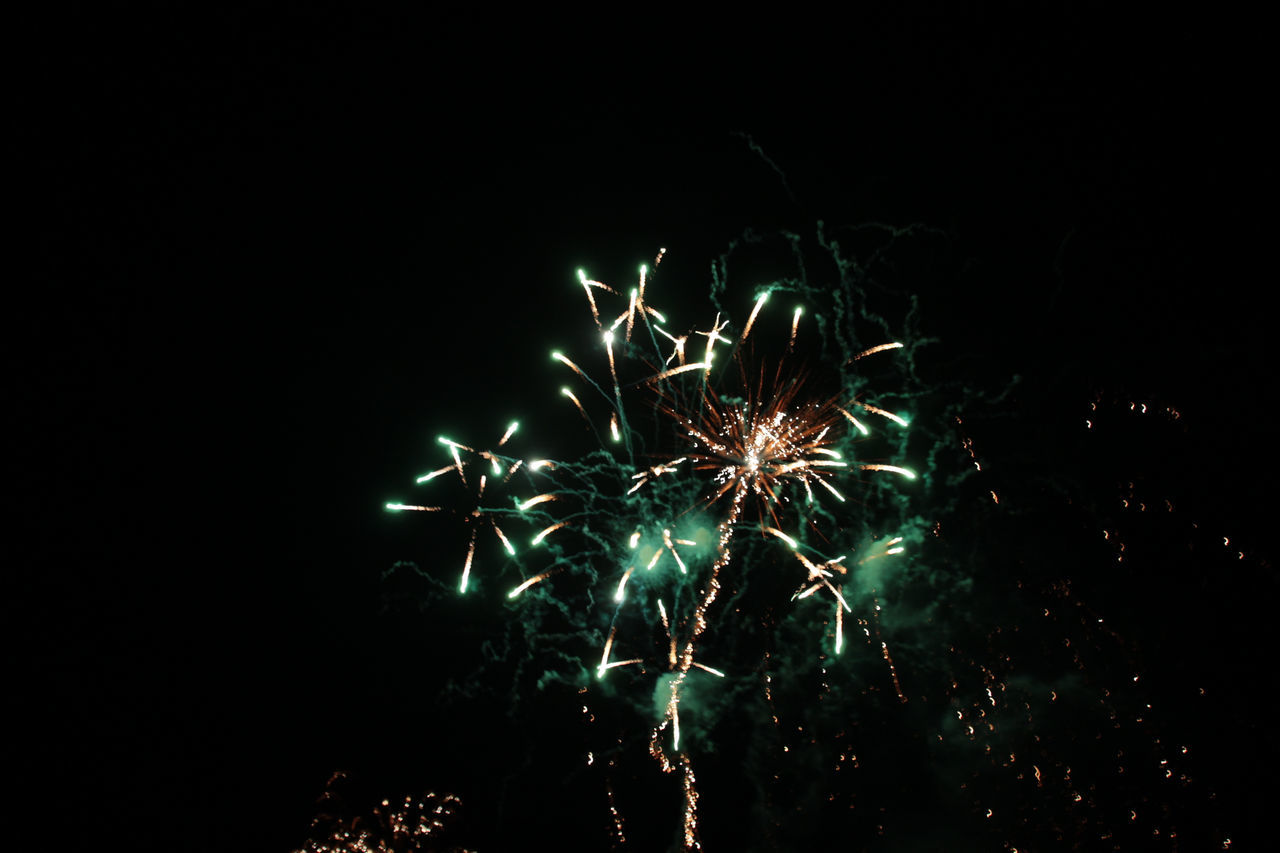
[[269, 258]]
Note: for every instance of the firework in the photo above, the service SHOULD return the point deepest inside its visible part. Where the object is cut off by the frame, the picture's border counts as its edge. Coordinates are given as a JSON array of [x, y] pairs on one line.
[[754, 450], [746, 563], [494, 467], [411, 823]]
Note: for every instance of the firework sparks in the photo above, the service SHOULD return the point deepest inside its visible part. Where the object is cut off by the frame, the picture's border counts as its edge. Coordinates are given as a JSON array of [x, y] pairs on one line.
[[758, 457], [501, 468], [660, 549]]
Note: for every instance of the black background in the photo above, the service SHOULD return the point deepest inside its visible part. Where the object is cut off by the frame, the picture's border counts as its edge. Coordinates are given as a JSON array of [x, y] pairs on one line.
[[267, 257]]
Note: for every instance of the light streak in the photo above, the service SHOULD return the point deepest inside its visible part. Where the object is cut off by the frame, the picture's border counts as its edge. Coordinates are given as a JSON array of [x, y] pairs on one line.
[[567, 393], [466, 566], [764, 297], [537, 540], [530, 582], [676, 371], [622, 583], [808, 592], [560, 357], [604, 657], [511, 430], [608, 348], [784, 537], [506, 543], [857, 423], [830, 488], [537, 499], [587, 284], [457, 459], [436, 473], [893, 469], [874, 350], [875, 410], [666, 540], [617, 663], [653, 561]]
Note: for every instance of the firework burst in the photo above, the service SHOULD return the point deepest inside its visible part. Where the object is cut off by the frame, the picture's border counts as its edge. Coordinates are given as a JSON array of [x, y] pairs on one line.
[[775, 443], [493, 468], [741, 575]]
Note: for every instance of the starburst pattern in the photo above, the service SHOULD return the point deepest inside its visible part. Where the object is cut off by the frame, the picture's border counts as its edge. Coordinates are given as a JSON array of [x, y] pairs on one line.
[[775, 443]]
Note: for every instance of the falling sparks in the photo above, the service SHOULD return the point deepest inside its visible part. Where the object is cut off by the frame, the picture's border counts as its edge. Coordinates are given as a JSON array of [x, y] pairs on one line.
[[407, 823]]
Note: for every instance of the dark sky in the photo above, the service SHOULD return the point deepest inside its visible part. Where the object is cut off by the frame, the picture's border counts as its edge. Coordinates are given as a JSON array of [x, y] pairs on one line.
[[270, 257]]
